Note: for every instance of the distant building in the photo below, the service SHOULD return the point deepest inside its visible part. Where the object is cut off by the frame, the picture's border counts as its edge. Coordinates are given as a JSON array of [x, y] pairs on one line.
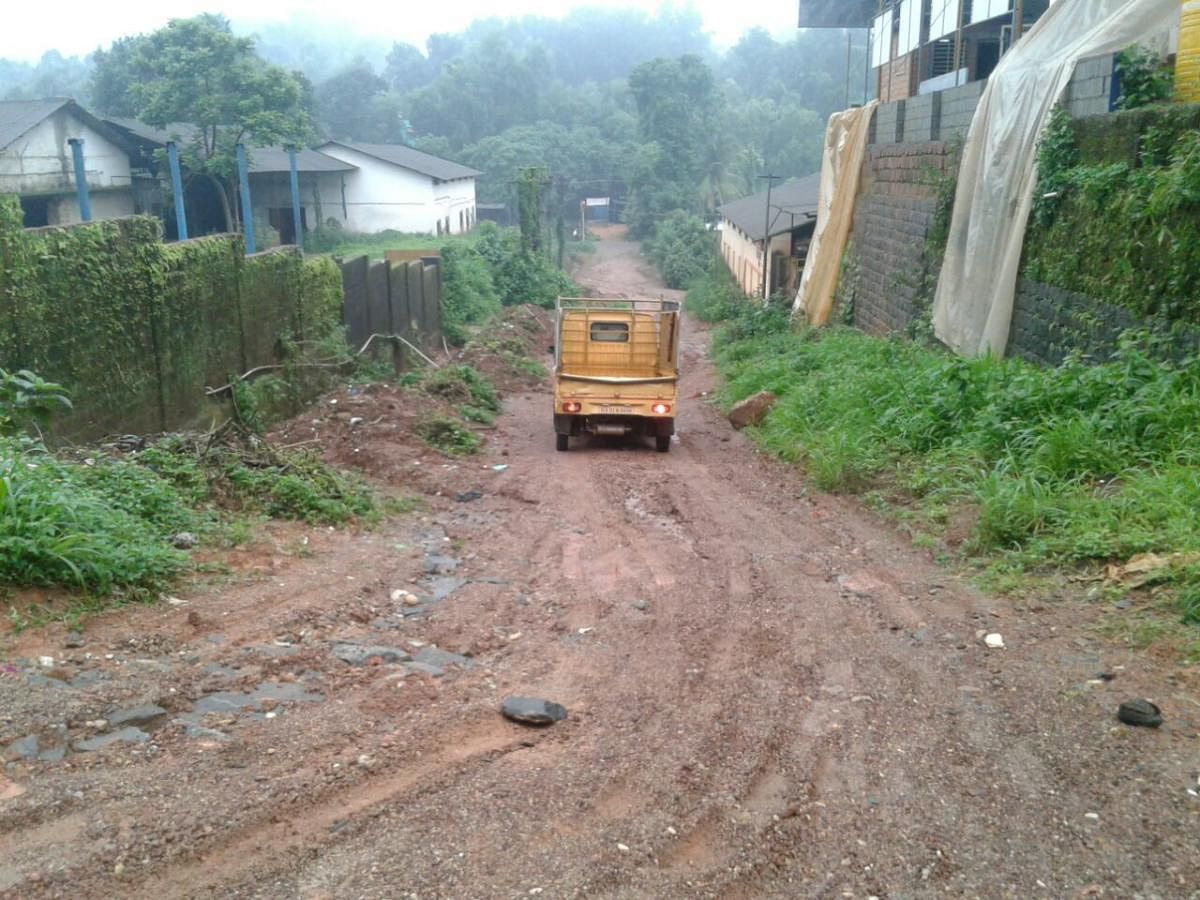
[[360, 187], [788, 226], [397, 188], [494, 212], [36, 163]]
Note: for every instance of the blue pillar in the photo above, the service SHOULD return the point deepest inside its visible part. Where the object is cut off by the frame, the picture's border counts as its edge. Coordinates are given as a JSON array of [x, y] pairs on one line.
[[247, 210], [177, 190], [296, 219], [85, 204]]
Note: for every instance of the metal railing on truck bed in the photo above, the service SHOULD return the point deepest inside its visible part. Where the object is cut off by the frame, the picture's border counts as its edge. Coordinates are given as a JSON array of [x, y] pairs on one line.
[[617, 340]]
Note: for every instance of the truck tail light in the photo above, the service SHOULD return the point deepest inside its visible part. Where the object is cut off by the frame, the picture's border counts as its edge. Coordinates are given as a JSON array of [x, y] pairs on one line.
[[572, 406], [660, 409]]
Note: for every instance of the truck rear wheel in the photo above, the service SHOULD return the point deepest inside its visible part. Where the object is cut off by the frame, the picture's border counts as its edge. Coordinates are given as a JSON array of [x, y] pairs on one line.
[[662, 443], [560, 441]]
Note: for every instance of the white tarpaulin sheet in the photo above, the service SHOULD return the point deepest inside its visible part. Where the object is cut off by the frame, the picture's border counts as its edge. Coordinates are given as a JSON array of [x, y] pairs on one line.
[[972, 310], [841, 169]]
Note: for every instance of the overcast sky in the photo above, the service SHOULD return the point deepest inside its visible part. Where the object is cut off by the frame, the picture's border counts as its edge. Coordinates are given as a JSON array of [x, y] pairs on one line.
[[76, 27]]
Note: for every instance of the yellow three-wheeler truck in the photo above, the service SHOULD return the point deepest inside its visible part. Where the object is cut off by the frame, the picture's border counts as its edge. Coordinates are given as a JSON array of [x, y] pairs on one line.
[[616, 368]]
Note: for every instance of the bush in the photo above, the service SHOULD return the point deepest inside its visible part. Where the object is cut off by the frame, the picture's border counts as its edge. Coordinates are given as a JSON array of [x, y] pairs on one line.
[[1144, 76], [715, 297], [681, 248], [469, 295], [27, 401], [520, 275]]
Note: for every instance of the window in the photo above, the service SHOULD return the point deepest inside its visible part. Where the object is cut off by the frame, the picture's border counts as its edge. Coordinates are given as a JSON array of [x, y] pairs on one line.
[[610, 332], [35, 211]]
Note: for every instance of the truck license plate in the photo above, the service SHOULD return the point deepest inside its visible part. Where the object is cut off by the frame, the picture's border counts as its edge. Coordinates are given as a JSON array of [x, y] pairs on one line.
[[616, 410]]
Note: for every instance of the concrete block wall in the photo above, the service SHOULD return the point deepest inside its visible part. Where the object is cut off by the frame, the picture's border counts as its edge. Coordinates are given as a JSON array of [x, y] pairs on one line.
[[921, 118], [887, 118], [1049, 323], [1090, 90], [909, 140], [891, 219], [958, 108]]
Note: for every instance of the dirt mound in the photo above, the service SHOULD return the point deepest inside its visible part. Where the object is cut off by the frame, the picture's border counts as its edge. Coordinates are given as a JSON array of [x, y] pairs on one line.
[[512, 350], [375, 428]]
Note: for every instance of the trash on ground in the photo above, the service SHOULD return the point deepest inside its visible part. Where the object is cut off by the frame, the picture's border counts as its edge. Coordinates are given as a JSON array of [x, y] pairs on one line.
[[1146, 568]]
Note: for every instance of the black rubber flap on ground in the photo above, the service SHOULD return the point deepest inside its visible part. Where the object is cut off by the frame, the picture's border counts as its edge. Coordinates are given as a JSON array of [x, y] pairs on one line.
[[532, 711], [1140, 712]]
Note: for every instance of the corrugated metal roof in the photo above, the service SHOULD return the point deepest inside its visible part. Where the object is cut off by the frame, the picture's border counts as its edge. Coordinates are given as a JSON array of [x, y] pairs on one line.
[[19, 116], [275, 159], [177, 131], [263, 160], [792, 203], [408, 158]]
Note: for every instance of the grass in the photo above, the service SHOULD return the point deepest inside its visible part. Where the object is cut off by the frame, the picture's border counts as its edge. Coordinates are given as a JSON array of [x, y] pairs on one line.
[[349, 245], [103, 527], [1064, 467]]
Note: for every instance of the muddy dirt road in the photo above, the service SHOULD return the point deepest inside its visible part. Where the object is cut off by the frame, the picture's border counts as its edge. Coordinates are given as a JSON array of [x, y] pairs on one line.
[[770, 694]]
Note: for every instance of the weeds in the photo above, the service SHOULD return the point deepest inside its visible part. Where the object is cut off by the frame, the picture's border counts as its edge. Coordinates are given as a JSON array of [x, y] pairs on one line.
[[1068, 466], [103, 526], [714, 297], [59, 526], [477, 414], [464, 385], [28, 402], [448, 436]]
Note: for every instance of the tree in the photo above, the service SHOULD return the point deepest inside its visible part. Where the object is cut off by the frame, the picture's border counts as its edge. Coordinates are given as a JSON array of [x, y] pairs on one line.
[[115, 70], [407, 68], [681, 249], [53, 76], [197, 79], [356, 104], [678, 108], [483, 93]]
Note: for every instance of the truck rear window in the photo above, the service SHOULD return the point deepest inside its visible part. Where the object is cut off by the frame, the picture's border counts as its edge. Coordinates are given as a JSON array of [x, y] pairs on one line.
[[613, 332]]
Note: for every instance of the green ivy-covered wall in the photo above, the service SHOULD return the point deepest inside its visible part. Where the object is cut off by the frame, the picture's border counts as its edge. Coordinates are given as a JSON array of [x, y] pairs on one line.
[[1116, 219], [137, 329]]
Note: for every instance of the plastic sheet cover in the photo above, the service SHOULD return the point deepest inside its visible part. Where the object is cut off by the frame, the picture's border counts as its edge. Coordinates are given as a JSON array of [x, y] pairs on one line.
[[841, 169], [972, 310]]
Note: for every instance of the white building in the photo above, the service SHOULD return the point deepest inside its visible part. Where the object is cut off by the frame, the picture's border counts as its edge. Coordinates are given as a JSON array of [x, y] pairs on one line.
[[36, 162], [397, 188]]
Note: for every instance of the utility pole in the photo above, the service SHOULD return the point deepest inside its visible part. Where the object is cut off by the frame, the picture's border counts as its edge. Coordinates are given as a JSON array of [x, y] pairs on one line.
[[559, 225], [846, 102], [1018, 22], [771, 179], [958, 39]]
